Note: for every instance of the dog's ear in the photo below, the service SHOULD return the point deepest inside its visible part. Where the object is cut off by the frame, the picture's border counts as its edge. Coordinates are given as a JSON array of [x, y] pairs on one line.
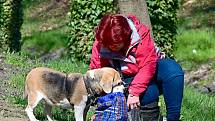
[[90, 74], [102, 78], [106, 86], [110, 78], [105, 77], [93, 78]]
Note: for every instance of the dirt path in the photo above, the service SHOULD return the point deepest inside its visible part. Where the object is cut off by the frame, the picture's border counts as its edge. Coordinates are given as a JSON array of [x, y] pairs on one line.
[[12, 119], [8, 112], [11, 113]]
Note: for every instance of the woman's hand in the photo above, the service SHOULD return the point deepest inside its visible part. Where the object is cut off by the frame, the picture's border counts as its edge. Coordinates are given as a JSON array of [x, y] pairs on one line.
[[133, 101], [92, 118]]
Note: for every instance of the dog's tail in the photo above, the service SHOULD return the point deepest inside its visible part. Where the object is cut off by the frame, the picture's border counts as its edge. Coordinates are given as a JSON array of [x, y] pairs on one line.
[[25, 94], [26, 90]]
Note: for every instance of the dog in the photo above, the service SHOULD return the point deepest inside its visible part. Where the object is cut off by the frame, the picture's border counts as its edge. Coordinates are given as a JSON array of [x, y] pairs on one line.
[[73, 90]]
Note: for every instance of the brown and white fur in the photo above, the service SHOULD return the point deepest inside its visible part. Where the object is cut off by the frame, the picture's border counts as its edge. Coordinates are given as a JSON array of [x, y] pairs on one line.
[[67, 91]]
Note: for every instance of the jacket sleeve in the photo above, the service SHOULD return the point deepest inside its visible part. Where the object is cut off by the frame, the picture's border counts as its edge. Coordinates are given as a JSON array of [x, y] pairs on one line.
[[146, 59], [96, 61]]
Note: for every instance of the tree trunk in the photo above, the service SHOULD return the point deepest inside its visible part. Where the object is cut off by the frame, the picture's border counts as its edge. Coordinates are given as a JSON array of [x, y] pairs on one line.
[[137, 7]]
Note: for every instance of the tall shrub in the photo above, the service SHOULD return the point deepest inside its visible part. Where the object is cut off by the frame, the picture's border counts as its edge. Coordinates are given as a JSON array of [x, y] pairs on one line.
[[1, 25], [164, 23], [84, 16], [11, 21]]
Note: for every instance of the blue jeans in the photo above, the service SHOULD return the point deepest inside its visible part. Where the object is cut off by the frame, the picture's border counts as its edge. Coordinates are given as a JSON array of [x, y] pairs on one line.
[[169, 81]]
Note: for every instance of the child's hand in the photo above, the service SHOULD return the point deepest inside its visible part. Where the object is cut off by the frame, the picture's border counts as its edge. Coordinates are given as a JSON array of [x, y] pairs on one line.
[[133, 101]]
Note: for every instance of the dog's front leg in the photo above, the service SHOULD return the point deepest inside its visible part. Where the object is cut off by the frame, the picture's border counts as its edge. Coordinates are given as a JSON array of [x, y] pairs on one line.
[[85, 112], [29, 111], [79, 109], [79, 112], [47, 111]]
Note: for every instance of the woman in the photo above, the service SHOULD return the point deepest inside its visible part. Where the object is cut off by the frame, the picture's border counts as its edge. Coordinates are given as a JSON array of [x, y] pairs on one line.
[[122, 42]]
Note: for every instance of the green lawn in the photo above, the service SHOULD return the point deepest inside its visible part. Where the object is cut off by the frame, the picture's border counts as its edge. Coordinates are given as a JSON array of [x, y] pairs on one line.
[[196, 106], [195, 46]]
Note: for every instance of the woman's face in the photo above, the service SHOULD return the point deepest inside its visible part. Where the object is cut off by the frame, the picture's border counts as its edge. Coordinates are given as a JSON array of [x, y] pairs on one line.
[[116, 47]]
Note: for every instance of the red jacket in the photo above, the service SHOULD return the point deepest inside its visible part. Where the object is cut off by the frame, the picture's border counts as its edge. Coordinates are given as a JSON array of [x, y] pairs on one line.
[[139, 61]]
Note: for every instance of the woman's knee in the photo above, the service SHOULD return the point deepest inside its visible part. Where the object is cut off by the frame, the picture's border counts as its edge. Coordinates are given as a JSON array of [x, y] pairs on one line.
[[150, 95]]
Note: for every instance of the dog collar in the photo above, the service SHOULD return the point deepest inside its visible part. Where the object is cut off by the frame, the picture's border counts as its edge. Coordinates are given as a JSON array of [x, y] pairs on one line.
[[92, 94], [118, 84], [89, 88]]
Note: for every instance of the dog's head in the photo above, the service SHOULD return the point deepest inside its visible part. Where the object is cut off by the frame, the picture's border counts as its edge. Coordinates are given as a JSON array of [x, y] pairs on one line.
[[105, 79]]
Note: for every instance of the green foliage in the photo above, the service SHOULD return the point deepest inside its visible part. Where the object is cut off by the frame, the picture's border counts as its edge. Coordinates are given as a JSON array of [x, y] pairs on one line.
[[1, 22], [84, 16], [164, 23], [11, 21]]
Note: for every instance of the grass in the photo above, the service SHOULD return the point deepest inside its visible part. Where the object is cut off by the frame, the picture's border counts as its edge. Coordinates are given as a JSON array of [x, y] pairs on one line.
[[195, 46], [196, 39], [32, 3], [45, 42], [213, 66], [198, 106]]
